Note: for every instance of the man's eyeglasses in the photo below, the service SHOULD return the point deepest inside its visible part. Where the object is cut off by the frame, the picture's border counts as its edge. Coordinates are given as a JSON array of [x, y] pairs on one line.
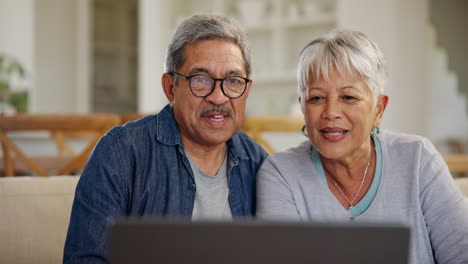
[[203, 85]]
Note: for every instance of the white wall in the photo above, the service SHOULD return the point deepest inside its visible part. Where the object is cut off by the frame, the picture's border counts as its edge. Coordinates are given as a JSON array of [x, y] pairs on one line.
[[56, 56], [17, 31], [154, 25]]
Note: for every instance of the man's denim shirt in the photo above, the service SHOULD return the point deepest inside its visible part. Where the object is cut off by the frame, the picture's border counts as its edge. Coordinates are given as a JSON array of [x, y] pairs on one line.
[[141, 169]]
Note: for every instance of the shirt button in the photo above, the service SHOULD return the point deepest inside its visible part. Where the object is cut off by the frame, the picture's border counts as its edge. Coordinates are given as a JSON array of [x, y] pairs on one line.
[[192, 187], [352, 219]]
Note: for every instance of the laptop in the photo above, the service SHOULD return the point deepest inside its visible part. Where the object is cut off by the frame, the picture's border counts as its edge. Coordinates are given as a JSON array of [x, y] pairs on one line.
[[149, 240]]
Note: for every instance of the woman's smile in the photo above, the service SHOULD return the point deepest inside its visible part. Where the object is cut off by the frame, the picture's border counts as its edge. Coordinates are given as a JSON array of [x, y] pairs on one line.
[[333, 134]]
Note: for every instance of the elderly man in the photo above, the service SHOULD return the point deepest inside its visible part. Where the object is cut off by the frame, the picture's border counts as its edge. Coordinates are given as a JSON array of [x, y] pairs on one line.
[[189, 160]]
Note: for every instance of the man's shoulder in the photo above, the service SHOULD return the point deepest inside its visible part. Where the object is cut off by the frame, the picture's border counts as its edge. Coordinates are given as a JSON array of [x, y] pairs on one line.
[[145, 124], [246, 147]]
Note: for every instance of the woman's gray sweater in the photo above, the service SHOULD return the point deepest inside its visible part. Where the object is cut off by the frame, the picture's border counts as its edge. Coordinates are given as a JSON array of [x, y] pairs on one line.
[[416, 188]]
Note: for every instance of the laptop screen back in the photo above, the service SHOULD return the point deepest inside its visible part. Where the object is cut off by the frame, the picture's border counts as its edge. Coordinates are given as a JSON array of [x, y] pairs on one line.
[[254, 242]]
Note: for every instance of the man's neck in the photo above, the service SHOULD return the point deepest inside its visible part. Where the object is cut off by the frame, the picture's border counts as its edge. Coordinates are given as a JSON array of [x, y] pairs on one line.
[[207, 158]]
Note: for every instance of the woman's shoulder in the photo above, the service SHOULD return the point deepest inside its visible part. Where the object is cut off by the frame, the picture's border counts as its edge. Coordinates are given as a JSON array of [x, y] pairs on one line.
[[398, 140], [293, 165], [294, 159], [298, 152], [396, 137]]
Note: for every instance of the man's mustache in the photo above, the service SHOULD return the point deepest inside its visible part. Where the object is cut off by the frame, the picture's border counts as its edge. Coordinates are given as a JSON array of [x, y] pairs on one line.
[[216, 108]]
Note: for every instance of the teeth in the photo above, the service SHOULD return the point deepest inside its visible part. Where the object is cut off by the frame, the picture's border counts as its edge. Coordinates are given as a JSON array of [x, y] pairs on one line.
[[336, 133], [217, 118]]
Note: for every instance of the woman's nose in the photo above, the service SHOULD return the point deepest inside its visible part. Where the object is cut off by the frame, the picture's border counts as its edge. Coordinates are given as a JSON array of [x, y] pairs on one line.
[[332, 110]]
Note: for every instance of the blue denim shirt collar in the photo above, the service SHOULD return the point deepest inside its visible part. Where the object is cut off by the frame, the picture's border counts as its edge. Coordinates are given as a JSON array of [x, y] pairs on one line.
[[167, 128], [168, 133]]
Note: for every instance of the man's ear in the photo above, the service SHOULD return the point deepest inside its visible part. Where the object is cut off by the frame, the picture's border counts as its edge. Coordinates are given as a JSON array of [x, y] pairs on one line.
[[168, 87], [380, 108], [247, 90]]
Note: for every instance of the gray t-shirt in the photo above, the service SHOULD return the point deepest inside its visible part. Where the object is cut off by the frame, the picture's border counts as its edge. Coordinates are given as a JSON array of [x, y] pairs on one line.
[[212, 196]]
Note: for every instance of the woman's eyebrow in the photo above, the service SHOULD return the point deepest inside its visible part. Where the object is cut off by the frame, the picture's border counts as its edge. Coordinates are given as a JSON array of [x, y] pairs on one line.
[[349, 87]]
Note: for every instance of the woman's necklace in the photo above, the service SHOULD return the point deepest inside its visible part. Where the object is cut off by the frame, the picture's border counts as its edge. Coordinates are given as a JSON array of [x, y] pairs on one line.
[[351, 202]]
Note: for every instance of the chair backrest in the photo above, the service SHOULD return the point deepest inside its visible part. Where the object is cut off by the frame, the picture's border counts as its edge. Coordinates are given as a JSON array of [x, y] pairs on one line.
[[131, 117], [256, 127], [457, 164], [59, 126], [462, 183]]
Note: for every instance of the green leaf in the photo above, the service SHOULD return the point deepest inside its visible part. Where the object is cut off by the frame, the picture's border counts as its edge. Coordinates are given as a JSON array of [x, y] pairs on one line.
[[20, 101]]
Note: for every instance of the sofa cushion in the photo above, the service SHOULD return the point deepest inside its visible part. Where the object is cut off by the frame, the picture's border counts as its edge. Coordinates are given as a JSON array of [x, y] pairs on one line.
[[35, 212]]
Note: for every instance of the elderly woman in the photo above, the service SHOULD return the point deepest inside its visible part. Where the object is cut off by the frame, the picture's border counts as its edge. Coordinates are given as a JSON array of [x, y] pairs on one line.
[[350, 169]]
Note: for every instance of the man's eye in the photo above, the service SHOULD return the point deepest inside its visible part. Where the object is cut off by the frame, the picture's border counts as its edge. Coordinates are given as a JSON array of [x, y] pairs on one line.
[[200, 80], [233, 81]]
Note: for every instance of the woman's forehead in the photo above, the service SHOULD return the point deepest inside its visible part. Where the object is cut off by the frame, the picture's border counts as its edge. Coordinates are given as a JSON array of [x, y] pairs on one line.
[[334, 75]]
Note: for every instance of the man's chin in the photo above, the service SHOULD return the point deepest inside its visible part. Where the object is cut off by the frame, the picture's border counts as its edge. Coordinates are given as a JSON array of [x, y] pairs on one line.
[[217, 138]]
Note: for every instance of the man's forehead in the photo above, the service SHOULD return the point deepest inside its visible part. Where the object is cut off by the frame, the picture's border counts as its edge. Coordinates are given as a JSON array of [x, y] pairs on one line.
[[215, 57], [228, 72]]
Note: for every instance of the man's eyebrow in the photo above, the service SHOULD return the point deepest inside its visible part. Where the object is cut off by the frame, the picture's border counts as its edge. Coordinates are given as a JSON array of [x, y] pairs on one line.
[[198, 70], [236, 72]]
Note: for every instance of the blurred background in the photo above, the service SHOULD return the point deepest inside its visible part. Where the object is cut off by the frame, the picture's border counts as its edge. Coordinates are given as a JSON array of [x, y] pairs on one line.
[[81, 56]]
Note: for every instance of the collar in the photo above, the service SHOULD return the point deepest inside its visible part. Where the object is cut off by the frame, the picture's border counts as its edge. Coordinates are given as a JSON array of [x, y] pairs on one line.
[[168, 133], [166, 127]]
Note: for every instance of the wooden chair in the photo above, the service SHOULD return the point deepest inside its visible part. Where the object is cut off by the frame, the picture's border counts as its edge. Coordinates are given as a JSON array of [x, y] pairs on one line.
[[458, 164], [255, 127], [131, 117], [60, 127]]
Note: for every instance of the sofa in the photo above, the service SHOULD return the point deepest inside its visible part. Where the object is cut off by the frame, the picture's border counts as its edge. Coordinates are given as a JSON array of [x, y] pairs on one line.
[[34, 215]]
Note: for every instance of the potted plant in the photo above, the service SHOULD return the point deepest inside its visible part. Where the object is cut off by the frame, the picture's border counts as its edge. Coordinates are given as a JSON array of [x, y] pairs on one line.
[[9, 67]]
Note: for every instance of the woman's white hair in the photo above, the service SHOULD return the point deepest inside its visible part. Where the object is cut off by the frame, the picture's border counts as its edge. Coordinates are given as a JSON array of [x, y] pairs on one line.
[[349, 53]]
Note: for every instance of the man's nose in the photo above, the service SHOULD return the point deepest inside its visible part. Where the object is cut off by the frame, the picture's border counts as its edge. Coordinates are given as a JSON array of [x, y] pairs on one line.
[[217, 97]]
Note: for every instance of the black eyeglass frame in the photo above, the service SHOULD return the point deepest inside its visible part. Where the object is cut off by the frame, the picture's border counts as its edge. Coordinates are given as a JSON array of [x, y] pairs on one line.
[[247, 80]]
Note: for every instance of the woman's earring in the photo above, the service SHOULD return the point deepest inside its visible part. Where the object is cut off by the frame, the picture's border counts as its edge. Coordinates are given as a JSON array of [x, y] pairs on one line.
[[375, 131], [304, 131]]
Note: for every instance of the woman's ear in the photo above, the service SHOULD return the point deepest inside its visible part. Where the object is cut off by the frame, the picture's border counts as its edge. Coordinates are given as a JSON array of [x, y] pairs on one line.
[[302, 105], [382, 102], [168, 87]]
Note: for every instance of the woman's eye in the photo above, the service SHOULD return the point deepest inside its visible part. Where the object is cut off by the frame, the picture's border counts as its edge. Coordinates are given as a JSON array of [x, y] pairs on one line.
[[349, 98], [315, 99]]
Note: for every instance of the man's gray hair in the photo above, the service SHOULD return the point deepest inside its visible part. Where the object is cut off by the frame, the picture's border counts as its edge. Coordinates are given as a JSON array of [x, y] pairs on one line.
[[349, 53], [204, 27]]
